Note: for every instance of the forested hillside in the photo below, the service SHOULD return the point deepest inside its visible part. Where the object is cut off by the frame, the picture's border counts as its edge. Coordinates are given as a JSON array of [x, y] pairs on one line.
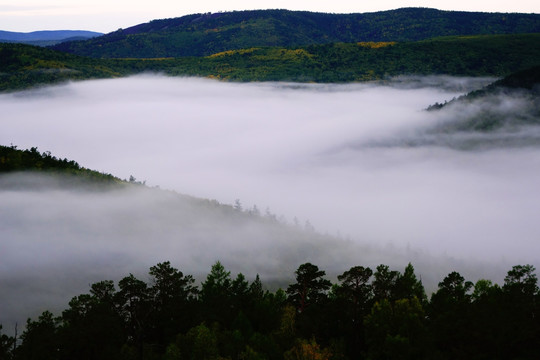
[[206, 34], [31, 160], [367, 314], [509, 103], [525, 79], [495, 55], [24, 66], [281, 45]]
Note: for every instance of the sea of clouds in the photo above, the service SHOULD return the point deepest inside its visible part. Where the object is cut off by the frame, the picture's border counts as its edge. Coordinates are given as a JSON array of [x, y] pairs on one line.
[[364, 163]]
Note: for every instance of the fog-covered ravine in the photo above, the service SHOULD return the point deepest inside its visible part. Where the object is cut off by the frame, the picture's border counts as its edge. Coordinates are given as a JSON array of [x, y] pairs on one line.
[[380, 179]]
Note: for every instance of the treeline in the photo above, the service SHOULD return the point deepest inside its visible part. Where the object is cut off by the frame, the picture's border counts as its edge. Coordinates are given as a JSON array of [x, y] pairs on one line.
[[23, 66], [16, 160], [205, 34], [354, 62], [523, 83], [366, 314]]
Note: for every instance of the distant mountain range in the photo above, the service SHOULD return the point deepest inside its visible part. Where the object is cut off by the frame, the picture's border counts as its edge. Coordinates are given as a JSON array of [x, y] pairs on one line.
[[46, 38], [206, 34], [282, 45]]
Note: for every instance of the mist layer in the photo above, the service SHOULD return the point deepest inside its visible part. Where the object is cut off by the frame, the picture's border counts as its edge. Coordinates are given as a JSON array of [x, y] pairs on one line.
[[299, 150], [353, 160]]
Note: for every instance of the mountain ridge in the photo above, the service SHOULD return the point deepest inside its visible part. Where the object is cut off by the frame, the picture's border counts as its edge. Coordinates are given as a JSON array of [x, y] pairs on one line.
[[526, 81], [46, 37], [209, 33], [505, 113]]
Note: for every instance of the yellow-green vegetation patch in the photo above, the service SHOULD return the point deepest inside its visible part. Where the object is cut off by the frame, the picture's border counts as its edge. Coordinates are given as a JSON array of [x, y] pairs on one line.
[[283, 54], [376, 45], [233, 52]]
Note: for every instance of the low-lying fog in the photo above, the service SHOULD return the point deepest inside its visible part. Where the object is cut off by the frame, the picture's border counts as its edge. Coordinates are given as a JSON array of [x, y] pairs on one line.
[[360, 162]]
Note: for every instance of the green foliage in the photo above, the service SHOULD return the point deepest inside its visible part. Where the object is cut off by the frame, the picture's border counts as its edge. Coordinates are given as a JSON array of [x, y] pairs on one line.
[[203, 343], [15, 160], [376, 316], [525, 84], [453, 290], [493, 322], [23, 66], [524, 79], [396, 330], [384, 283], [12, 159], [307, 350], [310, 287], [172, 295], [170, 285], [408, 286], [92, 326], [41, 338], [6, 345], [495, 55], [206, 34], [355, 287], [216, 294]]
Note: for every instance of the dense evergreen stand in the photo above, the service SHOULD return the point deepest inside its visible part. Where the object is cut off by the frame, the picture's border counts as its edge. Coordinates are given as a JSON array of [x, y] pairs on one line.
[[366, 314]]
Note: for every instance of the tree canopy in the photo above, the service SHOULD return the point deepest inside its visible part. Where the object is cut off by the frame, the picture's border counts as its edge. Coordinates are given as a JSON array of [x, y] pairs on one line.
[[365, 315]]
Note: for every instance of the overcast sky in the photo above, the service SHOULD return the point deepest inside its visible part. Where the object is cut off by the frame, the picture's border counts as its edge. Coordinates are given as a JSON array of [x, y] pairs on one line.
[[106, 16]]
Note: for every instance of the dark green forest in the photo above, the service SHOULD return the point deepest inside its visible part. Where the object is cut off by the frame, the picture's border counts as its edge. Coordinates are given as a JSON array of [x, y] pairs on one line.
[[282, 45], [24, 66], [525, 83], [494, 55], [32, 160], [206, 34], [367, 314], [364, 313]]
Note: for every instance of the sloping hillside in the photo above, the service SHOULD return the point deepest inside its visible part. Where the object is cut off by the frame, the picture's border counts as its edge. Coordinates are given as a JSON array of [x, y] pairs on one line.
[[72, 174], [526, 81], [23, 66], [205, 34], [490, 55], [62, 235], [505, 113]]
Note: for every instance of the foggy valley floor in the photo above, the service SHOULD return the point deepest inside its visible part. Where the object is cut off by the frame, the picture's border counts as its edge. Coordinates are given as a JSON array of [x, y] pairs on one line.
[[389, 182]]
